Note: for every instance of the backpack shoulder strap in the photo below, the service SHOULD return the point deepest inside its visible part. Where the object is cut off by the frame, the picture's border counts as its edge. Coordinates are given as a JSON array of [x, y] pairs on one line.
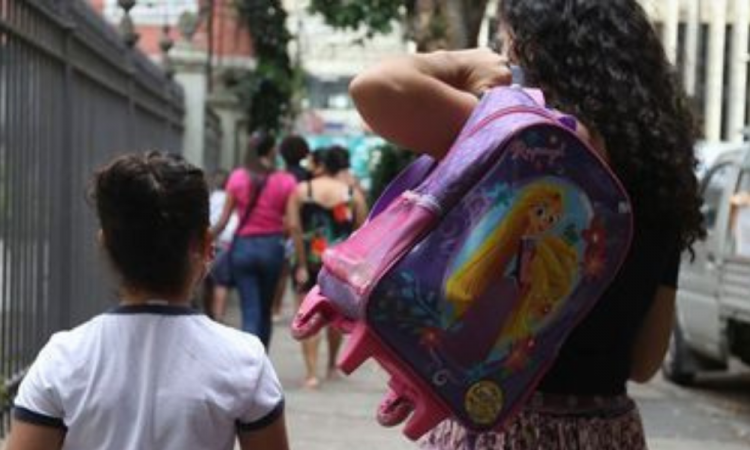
[[256, 185]]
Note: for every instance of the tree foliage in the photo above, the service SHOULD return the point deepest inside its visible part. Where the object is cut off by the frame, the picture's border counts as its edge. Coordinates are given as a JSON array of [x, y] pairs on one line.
[[432, 24], [387, 162], [266, 92], [375, 16]]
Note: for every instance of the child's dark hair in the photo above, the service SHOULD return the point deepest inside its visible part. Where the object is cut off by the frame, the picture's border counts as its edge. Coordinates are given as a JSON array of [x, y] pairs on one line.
[[293, 149], [336, 159], [331, 160], [318, 157], [152, 208]]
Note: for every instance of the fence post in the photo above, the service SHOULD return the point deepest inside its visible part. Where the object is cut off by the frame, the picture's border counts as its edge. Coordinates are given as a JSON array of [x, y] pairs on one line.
[[61, 213]]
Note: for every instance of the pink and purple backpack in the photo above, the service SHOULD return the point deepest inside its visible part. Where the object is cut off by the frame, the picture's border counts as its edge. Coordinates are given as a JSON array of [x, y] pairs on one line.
[[471, 271]]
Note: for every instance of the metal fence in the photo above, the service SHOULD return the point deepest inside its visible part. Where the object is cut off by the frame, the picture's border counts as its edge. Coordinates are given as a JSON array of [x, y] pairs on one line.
[[71, 96]]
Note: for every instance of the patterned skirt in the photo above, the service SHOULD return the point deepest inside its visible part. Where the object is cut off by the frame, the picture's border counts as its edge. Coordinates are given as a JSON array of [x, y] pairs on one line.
[[552, 422]]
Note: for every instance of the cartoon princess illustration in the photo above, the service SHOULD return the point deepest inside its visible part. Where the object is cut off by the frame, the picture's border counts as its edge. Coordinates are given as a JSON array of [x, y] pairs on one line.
[[483, 287]]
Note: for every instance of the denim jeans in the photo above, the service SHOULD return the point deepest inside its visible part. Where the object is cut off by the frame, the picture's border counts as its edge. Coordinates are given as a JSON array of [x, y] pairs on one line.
[[256, 268]]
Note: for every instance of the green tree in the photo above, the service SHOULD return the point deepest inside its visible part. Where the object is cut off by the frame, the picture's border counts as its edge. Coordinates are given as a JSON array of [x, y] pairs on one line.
[[432, 24], [387, 161], [266, 92]]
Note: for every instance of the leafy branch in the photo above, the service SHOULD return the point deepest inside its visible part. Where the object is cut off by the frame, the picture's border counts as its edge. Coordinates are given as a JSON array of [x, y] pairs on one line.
[[266, 92]]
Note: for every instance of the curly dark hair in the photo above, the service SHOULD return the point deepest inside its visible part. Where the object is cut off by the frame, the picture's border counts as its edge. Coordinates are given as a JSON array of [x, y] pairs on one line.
[[337, 159], [603, 62], [152, 208]]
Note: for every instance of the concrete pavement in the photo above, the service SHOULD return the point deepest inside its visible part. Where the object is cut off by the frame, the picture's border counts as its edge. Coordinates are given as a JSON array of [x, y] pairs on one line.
[[340, 414]]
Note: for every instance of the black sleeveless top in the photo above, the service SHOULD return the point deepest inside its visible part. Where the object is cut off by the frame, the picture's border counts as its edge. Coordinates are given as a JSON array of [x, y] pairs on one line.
[[596, 358], [323, 227]]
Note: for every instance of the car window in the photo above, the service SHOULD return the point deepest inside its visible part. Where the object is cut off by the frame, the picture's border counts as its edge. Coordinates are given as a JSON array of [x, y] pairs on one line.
[[714, 185], [744, 184]]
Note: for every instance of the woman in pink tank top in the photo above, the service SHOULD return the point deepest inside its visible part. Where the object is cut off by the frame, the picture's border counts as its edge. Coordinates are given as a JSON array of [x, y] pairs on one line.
[[259, 194]]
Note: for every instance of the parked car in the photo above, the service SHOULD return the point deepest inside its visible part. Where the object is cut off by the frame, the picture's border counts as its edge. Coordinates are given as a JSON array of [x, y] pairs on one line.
[[713, 301]]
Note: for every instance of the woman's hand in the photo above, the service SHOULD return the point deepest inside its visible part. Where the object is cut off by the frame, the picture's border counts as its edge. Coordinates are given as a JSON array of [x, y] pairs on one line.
[[301, 275], [741, 199], [480, 69], [422, 101]]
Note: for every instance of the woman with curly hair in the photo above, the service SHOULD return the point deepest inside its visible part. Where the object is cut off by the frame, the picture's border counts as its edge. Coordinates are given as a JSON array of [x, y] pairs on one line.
[[602, 62]]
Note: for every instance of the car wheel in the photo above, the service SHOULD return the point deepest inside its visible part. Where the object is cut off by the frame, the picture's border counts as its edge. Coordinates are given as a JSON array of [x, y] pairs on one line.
[[679, 365]]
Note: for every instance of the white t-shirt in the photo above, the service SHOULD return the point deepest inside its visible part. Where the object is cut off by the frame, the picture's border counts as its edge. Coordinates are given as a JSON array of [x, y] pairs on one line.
[[216, 206], [151, 377], [742, 231]]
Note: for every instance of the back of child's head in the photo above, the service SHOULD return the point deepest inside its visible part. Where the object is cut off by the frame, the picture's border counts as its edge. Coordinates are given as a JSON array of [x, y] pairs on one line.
[[153, 211], [339, 156], [318, 158], [294, 149], [336, 159]]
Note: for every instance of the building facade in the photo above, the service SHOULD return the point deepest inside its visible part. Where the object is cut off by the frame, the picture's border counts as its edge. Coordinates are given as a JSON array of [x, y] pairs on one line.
[[214, 125], [710, 43], [330, 59]]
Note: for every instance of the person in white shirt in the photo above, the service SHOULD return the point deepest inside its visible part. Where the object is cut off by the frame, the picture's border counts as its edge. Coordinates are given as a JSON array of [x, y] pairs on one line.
[[151, 374], [218, 284], [216, 202], [741, 223]]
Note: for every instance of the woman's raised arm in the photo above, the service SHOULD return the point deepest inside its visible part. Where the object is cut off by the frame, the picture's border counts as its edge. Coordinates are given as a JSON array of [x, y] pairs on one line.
[[421, 101]]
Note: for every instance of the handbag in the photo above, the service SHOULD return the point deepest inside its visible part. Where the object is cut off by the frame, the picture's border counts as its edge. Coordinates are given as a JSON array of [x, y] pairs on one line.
[[222, 267]]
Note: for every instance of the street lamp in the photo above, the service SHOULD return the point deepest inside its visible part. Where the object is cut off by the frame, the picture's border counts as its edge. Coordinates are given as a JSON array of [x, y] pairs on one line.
[[165, 44], [127, 28]]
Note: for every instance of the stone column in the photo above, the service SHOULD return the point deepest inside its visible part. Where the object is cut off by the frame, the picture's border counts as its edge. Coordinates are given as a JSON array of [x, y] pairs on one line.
[[738, 70], [671, 17], [692, 29], [189, 71], [715, 69]]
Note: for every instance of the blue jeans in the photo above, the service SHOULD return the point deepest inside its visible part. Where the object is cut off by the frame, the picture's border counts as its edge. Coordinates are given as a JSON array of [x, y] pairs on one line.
[[256, 268]]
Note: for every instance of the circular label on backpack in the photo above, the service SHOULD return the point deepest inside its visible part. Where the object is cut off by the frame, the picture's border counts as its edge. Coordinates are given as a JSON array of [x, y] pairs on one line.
[[484, 402]]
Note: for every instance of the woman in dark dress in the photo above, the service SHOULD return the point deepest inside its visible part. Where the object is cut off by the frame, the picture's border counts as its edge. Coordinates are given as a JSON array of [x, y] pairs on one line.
[[321, 212], [602, 62]]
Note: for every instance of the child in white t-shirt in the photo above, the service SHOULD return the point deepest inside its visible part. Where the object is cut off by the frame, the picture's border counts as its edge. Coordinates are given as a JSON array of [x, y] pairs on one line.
[[151, 374]]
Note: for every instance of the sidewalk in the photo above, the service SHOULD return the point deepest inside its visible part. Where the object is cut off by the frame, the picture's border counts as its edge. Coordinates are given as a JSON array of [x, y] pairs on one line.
[[340, 414]]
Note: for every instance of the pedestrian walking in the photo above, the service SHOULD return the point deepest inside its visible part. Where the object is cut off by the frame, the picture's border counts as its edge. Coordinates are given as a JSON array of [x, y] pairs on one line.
[[345, 174], [740, 212], [602, 62], [293, 150], [322, 212], [152, 373], [217, 285], [259, 193]]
